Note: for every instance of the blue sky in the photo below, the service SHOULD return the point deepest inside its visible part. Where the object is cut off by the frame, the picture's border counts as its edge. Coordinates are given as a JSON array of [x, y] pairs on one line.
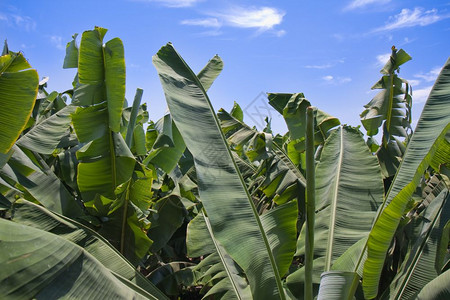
[[331, 51]]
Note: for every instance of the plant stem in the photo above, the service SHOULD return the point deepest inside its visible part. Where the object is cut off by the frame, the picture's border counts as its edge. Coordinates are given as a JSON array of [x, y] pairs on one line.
[[133, 115], [391, 100], [310, 203], [124, 218]]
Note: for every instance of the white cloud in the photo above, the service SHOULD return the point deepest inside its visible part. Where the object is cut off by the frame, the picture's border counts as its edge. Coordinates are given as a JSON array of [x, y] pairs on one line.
[[263, 19], [23, 22], [413, 82], [431, 75], [412, 18], [382, 59], [280, 33], [207, 22], [174, 3], [336, 80], [421, 95], [325, 66], [57, 42], [362, 3]]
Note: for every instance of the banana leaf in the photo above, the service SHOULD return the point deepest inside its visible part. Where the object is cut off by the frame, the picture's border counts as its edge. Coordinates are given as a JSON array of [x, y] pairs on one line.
[[428, 146], [349, 190], [30, 214], [18, 90], [417, 269], [233, 216], [39, 264]]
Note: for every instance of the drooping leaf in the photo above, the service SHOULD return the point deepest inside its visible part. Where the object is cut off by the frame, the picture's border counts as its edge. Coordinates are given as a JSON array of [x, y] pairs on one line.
[[30, 214], [210, 72], [40, 183], [38, 264], [45, 137]]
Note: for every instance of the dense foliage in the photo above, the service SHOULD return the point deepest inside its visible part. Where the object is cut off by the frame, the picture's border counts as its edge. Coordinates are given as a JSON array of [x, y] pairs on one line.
[[99, 202]]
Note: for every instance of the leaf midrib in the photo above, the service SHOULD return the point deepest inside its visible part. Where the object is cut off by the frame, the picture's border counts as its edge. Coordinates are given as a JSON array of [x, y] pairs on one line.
[[334, 204]]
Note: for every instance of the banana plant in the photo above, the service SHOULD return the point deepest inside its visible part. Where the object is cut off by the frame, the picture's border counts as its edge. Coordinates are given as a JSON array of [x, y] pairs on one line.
[[427, 147], [391, 109], [222, 190]]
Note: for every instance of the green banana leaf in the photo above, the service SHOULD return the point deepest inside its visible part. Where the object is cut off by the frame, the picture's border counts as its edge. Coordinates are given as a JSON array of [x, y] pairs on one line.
[[200, 241], [103, 65], [426, 147], [278, 223], [124, 217], [169, 146], [133, 115], [283, 181], [437, 289], [417, 269], [39, 183], [233, 216], [337, 285], [105, 161], [390, 104], [30, 214], [293, 108], [71, 58], [169, 217], [39, 264], [18, 90], [46, 136], [210, 72], [349, 190]]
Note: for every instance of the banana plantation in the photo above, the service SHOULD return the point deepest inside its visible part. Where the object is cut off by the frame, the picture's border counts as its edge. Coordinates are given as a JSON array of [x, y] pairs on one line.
[[99, 202]]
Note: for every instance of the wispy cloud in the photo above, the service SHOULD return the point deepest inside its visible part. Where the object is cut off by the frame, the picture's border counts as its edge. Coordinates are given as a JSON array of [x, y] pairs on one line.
[[421, 95], [329, 79], [56, 40], [263, 18], [173, 3], [324, 66], [411, 18], [18, 21], [413, 82], [382, 59], [260, 18], [207, 22], [355, 4], [429, 76]]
